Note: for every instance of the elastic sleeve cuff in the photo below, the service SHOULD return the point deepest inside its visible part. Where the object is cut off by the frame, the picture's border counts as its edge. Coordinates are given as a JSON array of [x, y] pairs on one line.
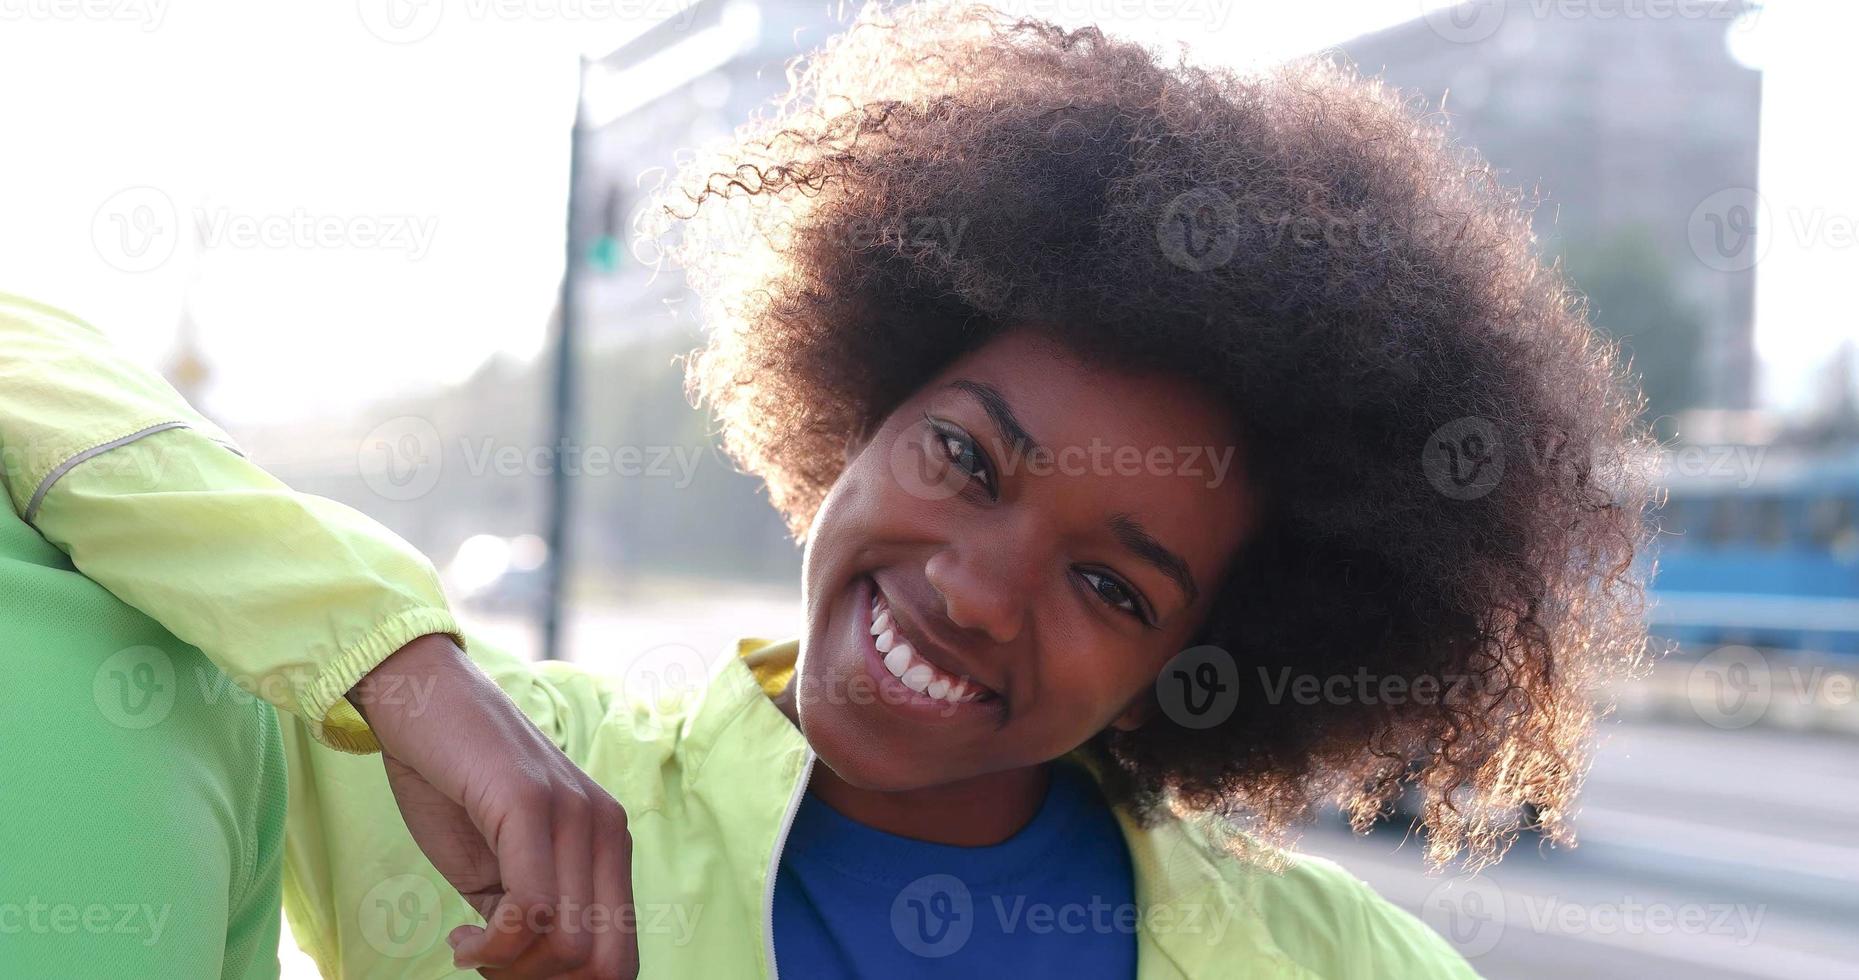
[[332, 719]]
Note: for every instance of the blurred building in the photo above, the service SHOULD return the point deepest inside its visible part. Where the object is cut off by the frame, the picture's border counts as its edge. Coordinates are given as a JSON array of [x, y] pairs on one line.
[[666, 501], [1621, 119], [685, 82]]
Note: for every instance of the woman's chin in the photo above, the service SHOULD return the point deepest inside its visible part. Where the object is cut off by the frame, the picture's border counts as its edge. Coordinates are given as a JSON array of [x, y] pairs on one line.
[[863, 761], [865, 778]]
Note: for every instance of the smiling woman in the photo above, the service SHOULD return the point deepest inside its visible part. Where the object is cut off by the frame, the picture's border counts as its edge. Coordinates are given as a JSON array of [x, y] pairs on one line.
[[1433, 483]]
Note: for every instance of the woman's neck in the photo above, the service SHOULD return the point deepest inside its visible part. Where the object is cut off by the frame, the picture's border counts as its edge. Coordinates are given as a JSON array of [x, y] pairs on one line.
[[975, 812]]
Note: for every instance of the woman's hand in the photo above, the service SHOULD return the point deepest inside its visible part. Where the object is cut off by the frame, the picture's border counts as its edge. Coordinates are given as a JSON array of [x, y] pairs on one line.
[[523, 834]]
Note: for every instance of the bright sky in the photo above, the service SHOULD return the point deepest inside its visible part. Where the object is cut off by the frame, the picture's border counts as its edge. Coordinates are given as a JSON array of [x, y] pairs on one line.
[[386, 215]]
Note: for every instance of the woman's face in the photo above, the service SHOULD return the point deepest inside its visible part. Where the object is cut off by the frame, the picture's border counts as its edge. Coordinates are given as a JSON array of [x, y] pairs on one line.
[[1041, 535]]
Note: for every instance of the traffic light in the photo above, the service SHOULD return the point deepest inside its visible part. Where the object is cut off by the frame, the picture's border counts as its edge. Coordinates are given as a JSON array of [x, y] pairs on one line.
[[604, 250]]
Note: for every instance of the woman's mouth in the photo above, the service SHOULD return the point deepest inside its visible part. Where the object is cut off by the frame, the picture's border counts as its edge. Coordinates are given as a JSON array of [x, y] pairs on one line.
[[916, 673], [924, 681]]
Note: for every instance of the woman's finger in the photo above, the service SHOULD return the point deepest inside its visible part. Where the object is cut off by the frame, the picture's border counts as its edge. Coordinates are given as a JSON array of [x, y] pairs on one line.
[[526, 861], [616, 941], [566, 945]]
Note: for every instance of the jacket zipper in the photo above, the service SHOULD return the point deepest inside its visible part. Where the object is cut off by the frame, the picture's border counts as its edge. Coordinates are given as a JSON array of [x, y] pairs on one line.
[[774, 862]]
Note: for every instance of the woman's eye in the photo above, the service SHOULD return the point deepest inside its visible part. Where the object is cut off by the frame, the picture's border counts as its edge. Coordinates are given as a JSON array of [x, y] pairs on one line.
[[966, 456], [1115, 593]]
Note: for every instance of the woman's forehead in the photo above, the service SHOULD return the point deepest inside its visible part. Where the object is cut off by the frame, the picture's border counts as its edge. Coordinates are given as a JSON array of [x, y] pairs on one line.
[[1078, 401]]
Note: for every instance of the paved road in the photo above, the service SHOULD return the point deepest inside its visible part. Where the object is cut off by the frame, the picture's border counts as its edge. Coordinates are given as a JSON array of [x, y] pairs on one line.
[[1704, 853]]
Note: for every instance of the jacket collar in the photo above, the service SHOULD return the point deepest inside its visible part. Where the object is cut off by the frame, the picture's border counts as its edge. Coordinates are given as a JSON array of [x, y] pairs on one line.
[[1198, 907]]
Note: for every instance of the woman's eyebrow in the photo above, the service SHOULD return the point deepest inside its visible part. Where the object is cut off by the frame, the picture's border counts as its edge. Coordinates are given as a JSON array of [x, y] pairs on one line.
[[1132, 535], [995, 404]]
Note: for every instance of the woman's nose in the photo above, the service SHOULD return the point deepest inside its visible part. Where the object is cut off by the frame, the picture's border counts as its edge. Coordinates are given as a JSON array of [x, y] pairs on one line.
[[984, 589]]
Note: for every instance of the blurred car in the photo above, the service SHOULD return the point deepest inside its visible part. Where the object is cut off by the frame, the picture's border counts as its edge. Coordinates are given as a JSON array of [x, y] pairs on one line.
[[499, 575]]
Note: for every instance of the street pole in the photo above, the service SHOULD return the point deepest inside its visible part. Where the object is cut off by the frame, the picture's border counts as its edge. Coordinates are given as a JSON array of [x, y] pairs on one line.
[[562, 406]]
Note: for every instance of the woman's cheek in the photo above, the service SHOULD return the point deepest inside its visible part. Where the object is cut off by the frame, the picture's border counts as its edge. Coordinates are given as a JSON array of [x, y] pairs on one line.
[[1104, 688]]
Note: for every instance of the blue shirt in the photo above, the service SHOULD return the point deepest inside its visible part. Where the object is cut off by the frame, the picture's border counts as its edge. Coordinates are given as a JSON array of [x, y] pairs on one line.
[[1054, 900]]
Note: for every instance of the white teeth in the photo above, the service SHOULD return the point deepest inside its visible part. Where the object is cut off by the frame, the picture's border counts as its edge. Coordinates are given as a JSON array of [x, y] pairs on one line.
[[897, 661], [917, 678], [904, 664]]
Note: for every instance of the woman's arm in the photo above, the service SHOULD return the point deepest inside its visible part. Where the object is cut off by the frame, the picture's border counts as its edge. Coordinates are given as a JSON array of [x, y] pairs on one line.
[[294, 596], [312, 606]]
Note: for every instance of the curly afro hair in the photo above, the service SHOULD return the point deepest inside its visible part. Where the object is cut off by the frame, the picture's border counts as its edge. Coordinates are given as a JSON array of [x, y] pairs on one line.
[[1450, 460]]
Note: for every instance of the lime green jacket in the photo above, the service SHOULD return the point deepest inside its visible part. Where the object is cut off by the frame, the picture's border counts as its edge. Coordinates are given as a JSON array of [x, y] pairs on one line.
[[710, 781], [294, 596], [298, 597]]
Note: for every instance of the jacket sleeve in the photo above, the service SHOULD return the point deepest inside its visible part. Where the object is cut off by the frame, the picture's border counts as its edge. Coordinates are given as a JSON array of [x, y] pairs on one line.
[[1396, 943], [1334, 925], [361, 898], [294, 596]]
